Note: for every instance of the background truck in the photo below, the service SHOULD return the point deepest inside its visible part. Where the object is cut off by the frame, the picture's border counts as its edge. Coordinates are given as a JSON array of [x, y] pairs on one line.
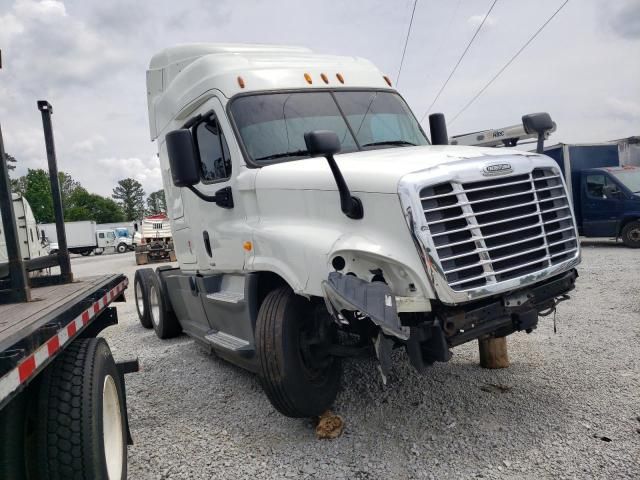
[[153, 241], [62, 396], [84, 238], [124, 234], [605, 189], [313, 221], [31, 243]]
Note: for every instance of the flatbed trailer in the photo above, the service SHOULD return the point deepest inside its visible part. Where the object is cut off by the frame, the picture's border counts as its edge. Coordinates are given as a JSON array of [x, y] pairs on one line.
[[33, 334], [63, 407]]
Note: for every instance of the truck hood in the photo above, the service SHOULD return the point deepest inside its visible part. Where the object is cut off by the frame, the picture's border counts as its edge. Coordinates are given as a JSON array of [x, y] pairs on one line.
[[374, 171]]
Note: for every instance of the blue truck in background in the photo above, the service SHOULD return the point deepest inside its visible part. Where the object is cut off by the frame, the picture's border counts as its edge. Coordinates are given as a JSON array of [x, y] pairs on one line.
[[604, 182]]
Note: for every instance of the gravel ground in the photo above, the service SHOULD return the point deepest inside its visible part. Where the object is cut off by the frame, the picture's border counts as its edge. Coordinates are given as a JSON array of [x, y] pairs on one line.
[[568, 407]]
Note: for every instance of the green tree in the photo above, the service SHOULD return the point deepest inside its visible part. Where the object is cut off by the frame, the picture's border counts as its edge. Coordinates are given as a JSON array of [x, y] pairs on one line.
[[10, 159], [37, 191], [156, 203], [130, 196], [67, 187], [89, 206]]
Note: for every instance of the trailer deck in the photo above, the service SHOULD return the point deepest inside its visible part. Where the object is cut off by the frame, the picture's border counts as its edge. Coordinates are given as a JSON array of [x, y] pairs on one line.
[[31, 334]]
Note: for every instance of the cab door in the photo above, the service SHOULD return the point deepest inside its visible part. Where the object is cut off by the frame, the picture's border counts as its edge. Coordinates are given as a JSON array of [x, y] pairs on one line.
[[600, 212], [217, 231]]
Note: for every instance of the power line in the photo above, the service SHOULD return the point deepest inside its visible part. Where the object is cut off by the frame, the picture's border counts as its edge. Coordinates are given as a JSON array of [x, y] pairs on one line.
[[508, 63], [406, 42], [459, 60]]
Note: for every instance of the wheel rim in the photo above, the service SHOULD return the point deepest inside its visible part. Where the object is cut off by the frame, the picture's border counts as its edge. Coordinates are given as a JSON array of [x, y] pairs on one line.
[[139, 299], [313, 337], [154, 306], [634, 234], [112, 429]]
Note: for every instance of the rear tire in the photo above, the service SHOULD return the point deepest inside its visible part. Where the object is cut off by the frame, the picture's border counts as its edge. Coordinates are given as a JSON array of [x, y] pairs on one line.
[[296, 386], [85, 253], [141, 282], [82, 426], [631, 234], [163, 319]]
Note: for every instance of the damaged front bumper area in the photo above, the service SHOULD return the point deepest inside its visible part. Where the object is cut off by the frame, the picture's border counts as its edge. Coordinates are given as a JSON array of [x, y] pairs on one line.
[[428, 336]]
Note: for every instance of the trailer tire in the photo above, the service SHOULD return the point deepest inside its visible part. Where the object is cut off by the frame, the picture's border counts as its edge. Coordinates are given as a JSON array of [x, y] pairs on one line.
[[631, 234], [82, 427], [122, 248], [294, 388], [164, 320], [85, 253], [141, 281]]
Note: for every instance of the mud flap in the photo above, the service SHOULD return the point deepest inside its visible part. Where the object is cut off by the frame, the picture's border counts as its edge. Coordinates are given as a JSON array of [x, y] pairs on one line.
[[374, 299], [427, 345]]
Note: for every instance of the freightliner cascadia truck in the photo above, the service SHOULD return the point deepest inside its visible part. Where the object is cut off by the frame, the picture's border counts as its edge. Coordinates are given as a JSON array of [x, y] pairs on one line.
[[314, 220]]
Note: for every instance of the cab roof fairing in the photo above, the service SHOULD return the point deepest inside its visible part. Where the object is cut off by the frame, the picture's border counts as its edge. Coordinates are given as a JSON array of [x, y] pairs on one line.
[[176, 89]]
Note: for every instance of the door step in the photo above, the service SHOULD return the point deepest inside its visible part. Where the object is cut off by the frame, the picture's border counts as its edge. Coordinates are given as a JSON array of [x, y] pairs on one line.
[[226, 297], [229, 342]]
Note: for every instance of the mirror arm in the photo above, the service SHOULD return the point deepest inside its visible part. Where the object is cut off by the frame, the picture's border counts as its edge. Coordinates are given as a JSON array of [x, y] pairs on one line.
[[351, 206], [223, 197]]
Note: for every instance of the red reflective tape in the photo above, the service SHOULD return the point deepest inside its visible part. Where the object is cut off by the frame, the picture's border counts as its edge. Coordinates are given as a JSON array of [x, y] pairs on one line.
[[53, 345], [26, 368], [71, 329], [105, 300], [96, 307], [85, 317]]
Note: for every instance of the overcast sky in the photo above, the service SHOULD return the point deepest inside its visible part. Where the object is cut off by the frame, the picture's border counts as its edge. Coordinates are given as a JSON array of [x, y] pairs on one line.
[[89, 60]]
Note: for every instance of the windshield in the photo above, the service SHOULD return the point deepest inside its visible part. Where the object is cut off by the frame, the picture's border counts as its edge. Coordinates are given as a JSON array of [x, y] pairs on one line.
[[629, 178], [272, 126]]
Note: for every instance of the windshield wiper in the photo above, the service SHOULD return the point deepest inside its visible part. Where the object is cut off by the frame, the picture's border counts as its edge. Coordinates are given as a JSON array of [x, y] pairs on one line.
[[297, 153], [389, 142]]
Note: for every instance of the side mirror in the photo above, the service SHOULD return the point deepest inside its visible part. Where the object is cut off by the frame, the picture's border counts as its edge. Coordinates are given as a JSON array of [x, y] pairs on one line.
[[182, 158], [322, 142], [539, 123], [438, 128], [611, 191], [325, 143]]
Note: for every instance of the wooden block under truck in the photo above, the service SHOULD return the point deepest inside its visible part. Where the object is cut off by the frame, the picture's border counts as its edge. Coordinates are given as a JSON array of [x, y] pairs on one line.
[[153, 240], [62, 396]]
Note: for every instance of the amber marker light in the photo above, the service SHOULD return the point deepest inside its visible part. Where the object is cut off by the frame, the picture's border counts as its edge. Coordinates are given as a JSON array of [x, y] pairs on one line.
[[386, 79], [248, 246], [340, 77], [241, 82], [307, 77], [324, 78]]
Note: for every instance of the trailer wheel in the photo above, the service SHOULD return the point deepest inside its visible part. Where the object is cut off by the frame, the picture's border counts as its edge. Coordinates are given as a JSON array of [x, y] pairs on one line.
[[122, 248], [85, 253], [82, 430], [140, 286], [297, 381], [631, 234], [163, 319]]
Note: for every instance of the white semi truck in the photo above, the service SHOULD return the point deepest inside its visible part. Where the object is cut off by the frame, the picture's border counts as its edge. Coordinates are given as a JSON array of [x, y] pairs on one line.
[[31, 243], [313, 220]]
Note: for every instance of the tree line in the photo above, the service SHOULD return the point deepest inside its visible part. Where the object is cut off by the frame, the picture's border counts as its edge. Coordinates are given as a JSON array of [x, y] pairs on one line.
[[128, 201]]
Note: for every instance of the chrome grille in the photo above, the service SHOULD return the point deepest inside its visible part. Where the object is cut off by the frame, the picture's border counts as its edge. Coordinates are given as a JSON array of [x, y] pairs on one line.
[[494, 230]]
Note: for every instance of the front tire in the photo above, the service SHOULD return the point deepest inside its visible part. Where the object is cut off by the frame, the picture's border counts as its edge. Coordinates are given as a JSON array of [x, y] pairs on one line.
[[82, 426], [631, 234], [122, 248], [297, 386]]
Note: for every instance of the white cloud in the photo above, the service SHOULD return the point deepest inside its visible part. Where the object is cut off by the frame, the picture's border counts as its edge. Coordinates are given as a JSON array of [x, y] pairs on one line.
[[476, 20]]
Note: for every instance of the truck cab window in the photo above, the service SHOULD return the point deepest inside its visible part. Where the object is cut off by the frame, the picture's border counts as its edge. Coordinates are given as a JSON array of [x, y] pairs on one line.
[[595, 186], [101, 235], [215, 161], [380, 119]]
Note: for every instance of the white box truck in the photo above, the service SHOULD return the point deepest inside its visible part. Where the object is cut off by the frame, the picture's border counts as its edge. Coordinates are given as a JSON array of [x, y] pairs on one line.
[[313, 220], [82, 237]]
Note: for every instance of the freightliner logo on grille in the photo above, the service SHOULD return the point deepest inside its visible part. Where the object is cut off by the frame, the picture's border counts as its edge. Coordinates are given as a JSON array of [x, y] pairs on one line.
[[497, 169]]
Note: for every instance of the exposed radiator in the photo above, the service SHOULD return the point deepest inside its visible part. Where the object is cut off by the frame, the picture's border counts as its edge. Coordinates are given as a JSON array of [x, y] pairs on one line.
[[494, 230]]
